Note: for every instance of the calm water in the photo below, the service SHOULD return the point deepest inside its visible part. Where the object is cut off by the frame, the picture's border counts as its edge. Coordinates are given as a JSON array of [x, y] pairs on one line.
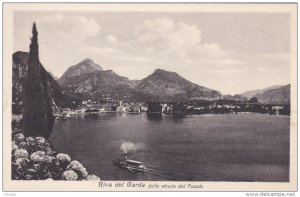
[[229, 147]]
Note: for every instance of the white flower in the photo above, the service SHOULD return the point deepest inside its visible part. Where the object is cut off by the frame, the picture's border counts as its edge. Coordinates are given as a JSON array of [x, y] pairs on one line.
[[76, 165], [14, 146], [84, 173], [63, 158], [22, 162], [20, 153], [30, 141], [37, 156], [19, 137], [23, 145], [70, 175], [93, 177], [48, 151], [40, 141]]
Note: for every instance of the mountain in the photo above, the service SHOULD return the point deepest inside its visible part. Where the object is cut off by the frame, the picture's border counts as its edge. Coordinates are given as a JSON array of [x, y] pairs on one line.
[[165, 85], [86, 66], [89, 81], [99, 84], [236, 97], [279, 95], [95, 83], [250, 94], [59, 97]]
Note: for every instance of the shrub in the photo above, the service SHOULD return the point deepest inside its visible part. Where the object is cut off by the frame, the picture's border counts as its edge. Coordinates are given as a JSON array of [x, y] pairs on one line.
[[78, 167], [92, 177], [70, 175], [34, 159], [20, 153]]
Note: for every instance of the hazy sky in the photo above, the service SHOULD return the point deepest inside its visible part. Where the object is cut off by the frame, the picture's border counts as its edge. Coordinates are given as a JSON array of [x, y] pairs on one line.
[[229, 52]]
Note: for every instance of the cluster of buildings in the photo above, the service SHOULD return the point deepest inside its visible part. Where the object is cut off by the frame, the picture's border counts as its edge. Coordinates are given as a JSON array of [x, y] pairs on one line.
[[109, 105], [176, 108], [225, 108]]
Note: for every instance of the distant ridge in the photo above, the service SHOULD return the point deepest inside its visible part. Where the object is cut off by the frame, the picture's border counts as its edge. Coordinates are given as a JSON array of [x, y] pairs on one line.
[[279, 95], [252, 93], [89, 81]]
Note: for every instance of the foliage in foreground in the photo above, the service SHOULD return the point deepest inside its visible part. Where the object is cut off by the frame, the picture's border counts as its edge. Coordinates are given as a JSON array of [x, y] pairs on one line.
[[33, 159]]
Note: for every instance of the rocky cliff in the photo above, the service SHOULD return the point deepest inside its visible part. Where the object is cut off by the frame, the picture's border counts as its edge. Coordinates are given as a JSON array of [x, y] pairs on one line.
[[58, 95]]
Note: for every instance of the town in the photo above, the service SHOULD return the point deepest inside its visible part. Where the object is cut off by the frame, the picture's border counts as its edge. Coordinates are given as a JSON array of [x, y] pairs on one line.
[[109, 105]]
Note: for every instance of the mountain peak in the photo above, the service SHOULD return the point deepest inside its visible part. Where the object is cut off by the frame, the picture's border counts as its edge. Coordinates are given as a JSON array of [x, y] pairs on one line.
[[83, 67], [159, 70], [171, 86], [165, 74], [87, 61]]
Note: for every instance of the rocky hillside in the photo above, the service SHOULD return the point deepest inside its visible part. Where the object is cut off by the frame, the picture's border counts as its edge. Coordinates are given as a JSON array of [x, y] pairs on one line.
[[98, 83], [252, 93], [59, 97], [161, 85], [86, 66], [279, 95], [167, 85]]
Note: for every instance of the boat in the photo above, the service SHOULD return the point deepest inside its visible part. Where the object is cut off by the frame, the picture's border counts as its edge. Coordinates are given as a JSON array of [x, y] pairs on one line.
[[129, 164]]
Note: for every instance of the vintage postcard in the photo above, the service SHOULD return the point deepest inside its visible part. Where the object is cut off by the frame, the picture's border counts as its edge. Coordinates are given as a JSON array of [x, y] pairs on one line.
[[150, 97]]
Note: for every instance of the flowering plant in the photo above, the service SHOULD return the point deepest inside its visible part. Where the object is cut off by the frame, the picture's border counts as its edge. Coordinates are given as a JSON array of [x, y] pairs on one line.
[[37, 156], [14, 146], [19, 137], [70, 175], [34, 159], [93, 177], [20, 153], [63, 160], [23, 145], [78, 167], [41, 143]]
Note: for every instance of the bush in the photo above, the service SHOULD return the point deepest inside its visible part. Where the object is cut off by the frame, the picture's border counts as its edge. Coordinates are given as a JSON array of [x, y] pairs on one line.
[[34, 159]]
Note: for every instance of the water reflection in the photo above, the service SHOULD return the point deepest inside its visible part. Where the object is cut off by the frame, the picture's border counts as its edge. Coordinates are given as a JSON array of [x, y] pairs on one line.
[[91, 117], [148, 116], [154, 116], [191, 147]]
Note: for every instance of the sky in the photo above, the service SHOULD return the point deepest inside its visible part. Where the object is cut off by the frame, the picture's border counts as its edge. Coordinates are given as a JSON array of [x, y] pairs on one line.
[[228, 52]]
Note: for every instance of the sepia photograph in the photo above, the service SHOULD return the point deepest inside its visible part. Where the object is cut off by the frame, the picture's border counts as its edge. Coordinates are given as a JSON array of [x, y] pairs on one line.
[[146, 97]]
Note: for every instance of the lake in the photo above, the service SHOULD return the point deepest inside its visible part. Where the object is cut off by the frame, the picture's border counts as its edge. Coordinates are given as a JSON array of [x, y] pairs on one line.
[[226, 147]]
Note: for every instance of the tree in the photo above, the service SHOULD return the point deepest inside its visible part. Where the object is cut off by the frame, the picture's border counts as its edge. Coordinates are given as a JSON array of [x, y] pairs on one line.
[[37, 116], [253, 100]]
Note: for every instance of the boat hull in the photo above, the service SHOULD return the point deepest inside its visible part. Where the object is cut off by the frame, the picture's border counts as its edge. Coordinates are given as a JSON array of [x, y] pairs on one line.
[[122, 164]]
